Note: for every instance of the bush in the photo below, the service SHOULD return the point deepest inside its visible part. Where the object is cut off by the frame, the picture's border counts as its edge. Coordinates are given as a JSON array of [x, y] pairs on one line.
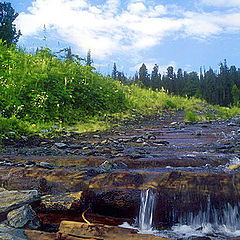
[[191, 116]]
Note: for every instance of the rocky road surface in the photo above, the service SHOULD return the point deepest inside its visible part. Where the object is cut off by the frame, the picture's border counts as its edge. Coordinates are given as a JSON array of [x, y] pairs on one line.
[[104, 173]]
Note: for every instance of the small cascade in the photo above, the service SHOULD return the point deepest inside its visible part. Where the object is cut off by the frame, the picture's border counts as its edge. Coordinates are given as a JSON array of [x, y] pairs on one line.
[[210, 220], [145, 217]]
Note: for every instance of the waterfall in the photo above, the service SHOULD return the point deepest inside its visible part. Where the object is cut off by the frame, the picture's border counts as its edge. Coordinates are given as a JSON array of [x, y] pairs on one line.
[[211, 219], [145, 217]]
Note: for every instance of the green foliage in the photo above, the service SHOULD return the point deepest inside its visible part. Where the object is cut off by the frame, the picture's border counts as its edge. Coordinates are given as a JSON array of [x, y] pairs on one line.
[[236, 95], [38, 91], [13, 127], [41, 88], [191, 116], [8, 32]]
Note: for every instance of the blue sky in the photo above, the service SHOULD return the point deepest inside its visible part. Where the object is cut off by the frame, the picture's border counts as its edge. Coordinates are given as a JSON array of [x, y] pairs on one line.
[[186, 34]]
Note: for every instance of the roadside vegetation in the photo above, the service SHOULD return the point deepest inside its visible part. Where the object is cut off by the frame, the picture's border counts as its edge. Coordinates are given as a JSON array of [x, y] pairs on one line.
[[39, 90], [43, 93]]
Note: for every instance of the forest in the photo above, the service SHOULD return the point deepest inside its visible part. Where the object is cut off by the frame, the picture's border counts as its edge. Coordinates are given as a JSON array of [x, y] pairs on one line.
[[216, 87]]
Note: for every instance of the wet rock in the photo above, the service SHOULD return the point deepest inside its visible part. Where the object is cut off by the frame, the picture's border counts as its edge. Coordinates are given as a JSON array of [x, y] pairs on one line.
[[62, 202], [161, 142], [25, 217], [140, 140], [46, 165], [96, 136], [109, 166], [232, 124], [152, 137], [10, 200], [9, 233], [101, 232], [234, 167], [30, 164], [199, 238], [61, 145], [39, 235]]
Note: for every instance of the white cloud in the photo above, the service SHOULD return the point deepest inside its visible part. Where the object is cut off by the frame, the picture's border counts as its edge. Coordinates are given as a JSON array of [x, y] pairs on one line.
[[222, 3], [108, 29]]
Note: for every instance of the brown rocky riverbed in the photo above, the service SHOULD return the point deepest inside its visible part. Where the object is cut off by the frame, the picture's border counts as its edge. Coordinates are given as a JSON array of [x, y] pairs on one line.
[[187, 166]]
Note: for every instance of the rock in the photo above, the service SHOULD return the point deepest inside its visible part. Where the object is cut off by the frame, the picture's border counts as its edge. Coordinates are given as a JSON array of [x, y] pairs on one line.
[[39, 235], [46, 165], [140, 140], [161, 142], [24, 216], [30, 164], [10, 200], [152, 137], [96, 136], [100, 232], [61, 145], [108, 166], [199, 238], [9, 233], [24, 138], [232, 124], [62, 202], [234, 167]]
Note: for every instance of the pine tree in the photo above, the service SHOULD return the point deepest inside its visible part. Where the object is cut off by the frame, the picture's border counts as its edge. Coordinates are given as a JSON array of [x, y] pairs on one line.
[[8, 32], [114, 72], [236, 95], [144, 76], [155, 78], [89, 59]]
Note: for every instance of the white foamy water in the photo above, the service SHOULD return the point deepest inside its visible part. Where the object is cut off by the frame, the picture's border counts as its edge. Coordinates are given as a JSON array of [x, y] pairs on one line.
[[208, 221], [146, 211]]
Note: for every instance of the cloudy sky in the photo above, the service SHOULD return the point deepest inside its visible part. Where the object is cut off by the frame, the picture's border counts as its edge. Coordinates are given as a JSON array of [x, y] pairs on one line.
[[183, 33]]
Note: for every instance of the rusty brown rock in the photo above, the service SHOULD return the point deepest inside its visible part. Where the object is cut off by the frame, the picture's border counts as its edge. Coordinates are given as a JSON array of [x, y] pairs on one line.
[[62, 202], [100, 232], [39, 235]]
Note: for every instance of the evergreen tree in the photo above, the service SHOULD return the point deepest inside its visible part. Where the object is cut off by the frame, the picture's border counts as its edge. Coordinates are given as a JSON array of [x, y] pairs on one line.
[[155, 78], [114, 72], [144, 76], [236, 95], [89, 59], [170, 79], [8, 30], [180, 83]]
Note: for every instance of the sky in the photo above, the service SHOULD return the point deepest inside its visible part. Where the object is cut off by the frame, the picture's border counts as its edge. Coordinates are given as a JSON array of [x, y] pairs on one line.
[[184, 34]]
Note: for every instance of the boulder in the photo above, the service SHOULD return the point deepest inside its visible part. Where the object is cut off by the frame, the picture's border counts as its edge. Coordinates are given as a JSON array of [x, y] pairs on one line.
[[10, 200], [62, 202], [25, 217]]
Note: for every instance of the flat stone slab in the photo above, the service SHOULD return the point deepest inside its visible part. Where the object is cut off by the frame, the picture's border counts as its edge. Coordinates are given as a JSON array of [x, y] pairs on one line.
[[10, 200], [62, 202], [100, 232]]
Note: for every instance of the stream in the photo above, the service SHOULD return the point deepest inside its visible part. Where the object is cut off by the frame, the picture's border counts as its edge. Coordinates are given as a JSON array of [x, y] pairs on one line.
[[160, 175]]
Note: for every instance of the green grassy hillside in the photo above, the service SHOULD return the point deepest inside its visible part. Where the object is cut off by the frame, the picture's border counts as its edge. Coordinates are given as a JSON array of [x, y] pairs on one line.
[[38, 91]]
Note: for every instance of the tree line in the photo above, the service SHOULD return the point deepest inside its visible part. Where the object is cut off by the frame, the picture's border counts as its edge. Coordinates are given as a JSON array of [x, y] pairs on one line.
[[222, 87]]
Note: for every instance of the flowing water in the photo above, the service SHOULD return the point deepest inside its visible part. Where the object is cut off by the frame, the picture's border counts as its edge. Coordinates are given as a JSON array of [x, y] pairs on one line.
[[145, 217], [210, 220]]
